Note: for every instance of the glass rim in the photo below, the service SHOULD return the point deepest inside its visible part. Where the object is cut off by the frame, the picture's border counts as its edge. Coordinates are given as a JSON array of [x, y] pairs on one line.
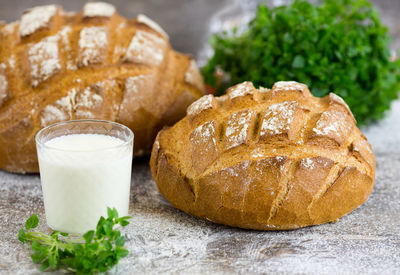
[[43, 144]]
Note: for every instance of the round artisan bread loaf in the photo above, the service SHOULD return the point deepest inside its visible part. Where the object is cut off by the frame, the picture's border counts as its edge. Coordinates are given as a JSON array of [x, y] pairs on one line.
[[95, 64], [265, 159]]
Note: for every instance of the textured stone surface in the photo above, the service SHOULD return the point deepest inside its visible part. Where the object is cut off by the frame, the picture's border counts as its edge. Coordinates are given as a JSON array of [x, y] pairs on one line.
[[165, 240]]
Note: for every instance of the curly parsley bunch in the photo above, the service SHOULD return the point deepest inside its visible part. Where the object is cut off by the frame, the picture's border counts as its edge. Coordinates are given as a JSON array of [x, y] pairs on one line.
[[97, 251], [337, 46]]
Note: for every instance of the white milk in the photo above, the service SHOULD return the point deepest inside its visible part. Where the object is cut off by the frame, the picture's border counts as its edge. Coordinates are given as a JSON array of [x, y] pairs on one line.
[[83, 175]]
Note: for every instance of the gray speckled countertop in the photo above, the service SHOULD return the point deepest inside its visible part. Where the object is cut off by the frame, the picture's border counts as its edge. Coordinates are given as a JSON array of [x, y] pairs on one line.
[[165, 240]]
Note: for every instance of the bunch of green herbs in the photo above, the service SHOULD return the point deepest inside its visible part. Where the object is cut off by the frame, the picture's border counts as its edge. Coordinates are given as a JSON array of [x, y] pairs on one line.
[[333, 46], [98, 251]]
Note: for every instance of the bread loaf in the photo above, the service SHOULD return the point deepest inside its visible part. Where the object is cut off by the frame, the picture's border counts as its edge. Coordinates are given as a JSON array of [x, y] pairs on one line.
[[266, 159], [57, 66]]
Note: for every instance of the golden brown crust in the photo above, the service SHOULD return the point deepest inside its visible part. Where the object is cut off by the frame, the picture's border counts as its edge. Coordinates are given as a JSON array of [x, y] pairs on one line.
[[57, 66], [265, 159]]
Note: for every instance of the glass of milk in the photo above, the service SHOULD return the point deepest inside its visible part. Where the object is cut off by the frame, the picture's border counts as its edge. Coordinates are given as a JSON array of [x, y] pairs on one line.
[[85, 167]]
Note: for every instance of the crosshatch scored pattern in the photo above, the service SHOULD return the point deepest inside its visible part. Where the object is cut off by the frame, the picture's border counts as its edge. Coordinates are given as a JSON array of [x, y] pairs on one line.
[[57, 66], [245, 158]]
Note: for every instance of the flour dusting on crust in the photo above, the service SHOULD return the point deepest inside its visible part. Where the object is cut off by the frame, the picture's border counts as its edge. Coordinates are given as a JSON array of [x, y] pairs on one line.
[[65, 43], [289, 86], [236, 132], [64, 37], [193, 76], [242, 89], [257, 153], [146, 48], [204, 133], [44, 60], [362, 144], [11, 62], [362, 147], [332, 123], [119, 52], [200, 105], [134, 87], [307, 163], [36, 18], [81, 114], [337, 99], [131, 84], [138, 93], [60, 110], [3, 88], [147, 21], [9, 28], [236, 169], [92, 45], [278, 118], [204, 146], [98, 9], [87, 98]]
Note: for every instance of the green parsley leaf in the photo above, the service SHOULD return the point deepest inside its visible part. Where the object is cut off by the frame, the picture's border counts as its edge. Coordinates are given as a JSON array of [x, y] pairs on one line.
[[107, 226], [32, 222], [22, 235], [44, 265], [88, 236], [121, 252], [100, 251], [120, 241]]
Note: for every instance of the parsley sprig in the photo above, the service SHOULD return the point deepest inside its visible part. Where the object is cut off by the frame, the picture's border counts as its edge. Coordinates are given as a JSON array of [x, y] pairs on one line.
[[336, 46], [97, 251]]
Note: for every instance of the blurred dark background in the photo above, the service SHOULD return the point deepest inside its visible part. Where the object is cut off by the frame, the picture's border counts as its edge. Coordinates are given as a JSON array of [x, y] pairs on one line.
[[188, 22]]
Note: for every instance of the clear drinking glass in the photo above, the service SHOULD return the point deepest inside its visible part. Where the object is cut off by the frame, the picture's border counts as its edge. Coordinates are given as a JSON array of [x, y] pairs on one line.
[[85, 167]]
